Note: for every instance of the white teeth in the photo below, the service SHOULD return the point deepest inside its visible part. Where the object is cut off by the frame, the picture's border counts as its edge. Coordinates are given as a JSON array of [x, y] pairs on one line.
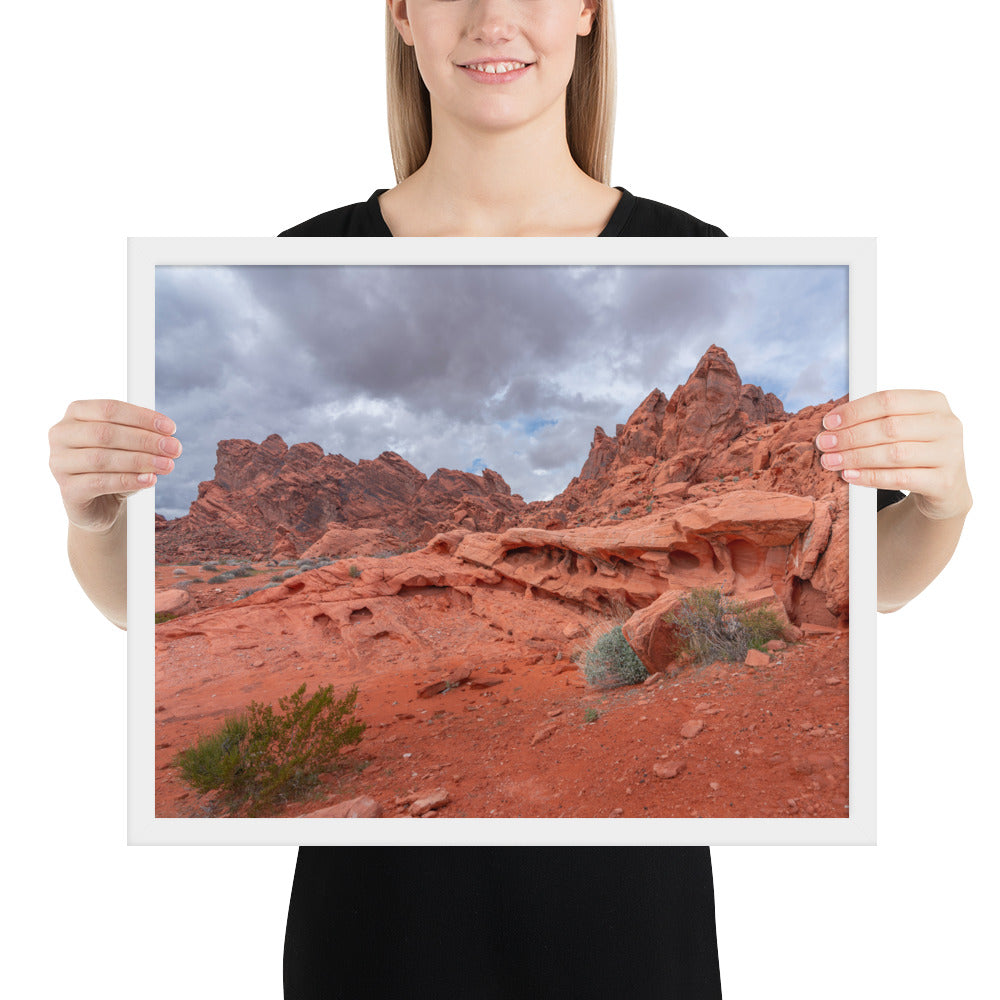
[[494, 68]]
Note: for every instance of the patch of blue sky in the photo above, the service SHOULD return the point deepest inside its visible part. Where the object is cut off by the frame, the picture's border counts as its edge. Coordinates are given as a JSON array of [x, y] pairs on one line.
[[525, 425], [531, 425]]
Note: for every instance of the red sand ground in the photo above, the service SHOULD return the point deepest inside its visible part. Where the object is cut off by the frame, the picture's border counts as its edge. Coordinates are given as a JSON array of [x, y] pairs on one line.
[[774, 741]]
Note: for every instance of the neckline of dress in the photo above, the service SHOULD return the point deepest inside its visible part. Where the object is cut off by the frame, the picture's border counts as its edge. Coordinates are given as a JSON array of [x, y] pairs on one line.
[[613, 227]]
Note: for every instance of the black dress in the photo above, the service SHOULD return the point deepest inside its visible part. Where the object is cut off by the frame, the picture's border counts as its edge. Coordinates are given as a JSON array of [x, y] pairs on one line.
[[504, 923]]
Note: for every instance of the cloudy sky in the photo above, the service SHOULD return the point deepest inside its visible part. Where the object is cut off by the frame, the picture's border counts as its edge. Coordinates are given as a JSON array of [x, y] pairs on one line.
[[509, 368]]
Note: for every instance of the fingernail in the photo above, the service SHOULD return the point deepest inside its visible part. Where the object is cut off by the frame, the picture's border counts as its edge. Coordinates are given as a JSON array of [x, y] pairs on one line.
[[832, 421], [832, 461], [851, 474], [825, 441], [164, 426], [169, 446], [146, 478], [162, 464]]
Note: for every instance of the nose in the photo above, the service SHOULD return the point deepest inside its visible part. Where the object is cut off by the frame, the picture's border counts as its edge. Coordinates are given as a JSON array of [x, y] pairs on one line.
[[491, 21]]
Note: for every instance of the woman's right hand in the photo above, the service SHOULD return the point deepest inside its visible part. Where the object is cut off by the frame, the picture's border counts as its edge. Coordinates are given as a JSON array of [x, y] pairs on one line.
[[104, 450]]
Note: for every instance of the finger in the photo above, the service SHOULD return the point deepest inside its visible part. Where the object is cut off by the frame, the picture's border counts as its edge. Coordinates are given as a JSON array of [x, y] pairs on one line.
[[909, 480], [920, 427], [116, 437], [79, 461], [115, 411], [898, 455], [82, 489], [888, 402]]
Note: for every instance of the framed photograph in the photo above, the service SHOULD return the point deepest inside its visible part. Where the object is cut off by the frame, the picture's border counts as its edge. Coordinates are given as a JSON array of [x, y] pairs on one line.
[[501, 541]]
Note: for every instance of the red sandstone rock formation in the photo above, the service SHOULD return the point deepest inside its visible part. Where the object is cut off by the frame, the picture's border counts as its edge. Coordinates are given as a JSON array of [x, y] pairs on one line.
[[716, 486], [272, 501], [712, 429]]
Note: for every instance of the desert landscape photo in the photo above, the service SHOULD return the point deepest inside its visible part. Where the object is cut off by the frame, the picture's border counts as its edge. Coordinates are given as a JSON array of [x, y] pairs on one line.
[[400, 487]]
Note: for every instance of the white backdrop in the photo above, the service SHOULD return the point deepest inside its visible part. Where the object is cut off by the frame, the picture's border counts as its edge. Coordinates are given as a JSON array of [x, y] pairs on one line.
[[770, 119]]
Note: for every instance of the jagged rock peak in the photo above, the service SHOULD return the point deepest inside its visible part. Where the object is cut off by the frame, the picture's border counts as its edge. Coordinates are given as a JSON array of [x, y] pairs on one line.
[[273, 443], [705, 413]]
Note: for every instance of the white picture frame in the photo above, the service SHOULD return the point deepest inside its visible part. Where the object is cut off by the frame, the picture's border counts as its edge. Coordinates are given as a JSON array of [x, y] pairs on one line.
[[144, 827]]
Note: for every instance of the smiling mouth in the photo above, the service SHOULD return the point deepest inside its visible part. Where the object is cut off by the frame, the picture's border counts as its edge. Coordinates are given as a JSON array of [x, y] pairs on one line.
[[495, 68]]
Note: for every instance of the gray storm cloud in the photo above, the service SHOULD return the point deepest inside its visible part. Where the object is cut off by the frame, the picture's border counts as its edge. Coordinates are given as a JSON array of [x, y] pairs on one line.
[[461, 367]]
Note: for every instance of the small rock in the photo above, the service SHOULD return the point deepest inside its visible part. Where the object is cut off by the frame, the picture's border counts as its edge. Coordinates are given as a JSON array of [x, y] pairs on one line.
[[617, 811], [808, 628], [479, 681], [429, 690], [168, 601], [544, 732], [458, 675], [832, 681], [756, 658], [362, 806], [714, 785], [574, 631], [554, 713], [668, 769], [776, 645], [427, 801], [692, 728]]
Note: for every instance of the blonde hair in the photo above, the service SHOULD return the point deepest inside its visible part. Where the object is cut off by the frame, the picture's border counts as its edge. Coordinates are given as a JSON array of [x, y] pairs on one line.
[[590, 100]]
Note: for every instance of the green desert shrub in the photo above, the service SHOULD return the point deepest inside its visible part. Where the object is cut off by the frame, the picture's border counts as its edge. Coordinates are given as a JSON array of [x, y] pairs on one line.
[[610, 661], [180, 571], [222, 578], [711, 627], [263, 757], [164, 616], [354, 572]]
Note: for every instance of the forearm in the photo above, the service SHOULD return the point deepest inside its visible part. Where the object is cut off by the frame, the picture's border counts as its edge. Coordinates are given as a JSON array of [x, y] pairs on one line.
[[912, 550], [98, 560]]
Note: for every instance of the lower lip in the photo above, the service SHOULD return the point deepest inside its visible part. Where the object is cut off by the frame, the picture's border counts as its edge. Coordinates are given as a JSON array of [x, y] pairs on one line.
[[480, 77]]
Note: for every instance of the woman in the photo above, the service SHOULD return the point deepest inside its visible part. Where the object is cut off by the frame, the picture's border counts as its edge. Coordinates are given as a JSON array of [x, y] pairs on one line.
[[500, 119]]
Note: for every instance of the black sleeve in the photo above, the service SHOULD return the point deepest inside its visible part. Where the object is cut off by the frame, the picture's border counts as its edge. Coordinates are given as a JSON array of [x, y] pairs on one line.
[[886, 498]]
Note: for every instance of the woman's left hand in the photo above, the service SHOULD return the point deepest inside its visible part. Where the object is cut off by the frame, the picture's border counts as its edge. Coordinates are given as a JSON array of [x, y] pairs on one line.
[[900, 439]]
